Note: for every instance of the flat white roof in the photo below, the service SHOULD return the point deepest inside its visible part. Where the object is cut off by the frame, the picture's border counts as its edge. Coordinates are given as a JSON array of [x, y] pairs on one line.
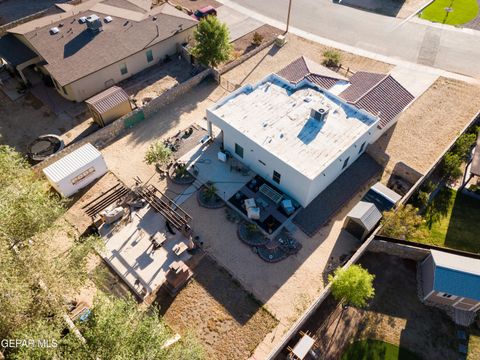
[[456, 262], [72, 162], [276, 115]]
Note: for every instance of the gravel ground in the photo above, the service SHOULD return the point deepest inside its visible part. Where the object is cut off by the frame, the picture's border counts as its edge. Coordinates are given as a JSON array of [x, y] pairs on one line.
[[226, 319], [432, 122]]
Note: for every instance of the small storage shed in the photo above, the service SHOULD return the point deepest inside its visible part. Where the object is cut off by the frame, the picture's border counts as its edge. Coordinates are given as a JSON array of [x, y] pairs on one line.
[[109, 105], [451, 279], [76, 170], [383, 197], [362, 219]]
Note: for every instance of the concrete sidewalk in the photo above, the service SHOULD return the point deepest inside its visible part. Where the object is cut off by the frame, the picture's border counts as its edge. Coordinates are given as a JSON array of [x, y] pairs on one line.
[[239, 23]]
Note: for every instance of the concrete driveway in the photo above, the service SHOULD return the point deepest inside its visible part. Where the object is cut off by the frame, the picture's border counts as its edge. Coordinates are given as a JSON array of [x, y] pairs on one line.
[[415, 81], [238, 23]]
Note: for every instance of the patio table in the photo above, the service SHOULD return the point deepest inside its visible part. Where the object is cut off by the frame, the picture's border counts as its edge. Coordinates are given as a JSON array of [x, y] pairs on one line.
[[303, 346]]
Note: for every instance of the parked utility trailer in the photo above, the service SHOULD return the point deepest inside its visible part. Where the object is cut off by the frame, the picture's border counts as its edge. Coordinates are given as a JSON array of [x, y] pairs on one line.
[[76, 170]]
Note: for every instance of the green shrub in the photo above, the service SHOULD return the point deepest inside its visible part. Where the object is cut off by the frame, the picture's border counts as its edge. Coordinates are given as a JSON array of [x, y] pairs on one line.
[[451, 166], [332, 58], [257, 38], [464, 144]]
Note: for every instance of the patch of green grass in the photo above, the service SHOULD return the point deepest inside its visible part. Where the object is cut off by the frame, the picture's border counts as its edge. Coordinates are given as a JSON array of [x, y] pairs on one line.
[[462, 11], [456, 226], [377, 350], [474, 345]]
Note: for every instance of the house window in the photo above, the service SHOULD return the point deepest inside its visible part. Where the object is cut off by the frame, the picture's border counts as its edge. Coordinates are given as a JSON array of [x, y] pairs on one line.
[[345, 163], [447, 296], [123, 68], [149, 54], [361, 148], [276, 177], [239, 150]]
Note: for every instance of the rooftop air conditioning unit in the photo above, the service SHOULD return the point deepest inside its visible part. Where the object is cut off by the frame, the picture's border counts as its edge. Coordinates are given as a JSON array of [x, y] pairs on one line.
[[108, 19], [94, 23], [319, 114], [54, 30]]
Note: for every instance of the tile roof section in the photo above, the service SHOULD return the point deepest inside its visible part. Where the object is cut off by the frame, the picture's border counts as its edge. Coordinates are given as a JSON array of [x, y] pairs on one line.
[[303, 68], [387, 99], [76, 52], [379, 94], [361, 82], [108, 99]]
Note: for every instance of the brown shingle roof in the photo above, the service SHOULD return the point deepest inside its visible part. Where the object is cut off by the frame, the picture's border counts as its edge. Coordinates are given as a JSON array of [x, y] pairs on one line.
[[108, 99], [75, 52], [303, 68]]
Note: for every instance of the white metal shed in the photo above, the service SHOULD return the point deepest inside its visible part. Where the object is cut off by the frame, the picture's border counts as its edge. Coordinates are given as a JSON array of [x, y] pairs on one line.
[[76, 170]]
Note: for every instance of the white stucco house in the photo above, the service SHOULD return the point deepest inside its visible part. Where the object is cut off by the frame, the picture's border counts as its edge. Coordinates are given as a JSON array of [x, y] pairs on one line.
[[301, 128], [89, 47]]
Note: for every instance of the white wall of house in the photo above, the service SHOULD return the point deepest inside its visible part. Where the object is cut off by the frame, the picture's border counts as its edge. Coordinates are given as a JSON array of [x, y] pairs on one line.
[[102, 79], [292, 182]]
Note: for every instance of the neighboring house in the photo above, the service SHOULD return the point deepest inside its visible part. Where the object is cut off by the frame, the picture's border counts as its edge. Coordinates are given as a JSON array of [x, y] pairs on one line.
[[96, 44], [453, 280], [295, 129]]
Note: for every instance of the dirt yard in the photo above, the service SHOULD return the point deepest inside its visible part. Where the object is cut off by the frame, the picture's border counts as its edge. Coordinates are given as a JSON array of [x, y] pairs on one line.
[[274, 59], [425, 129], [22, 120], [245, 43], [229, 322], [395, 315]]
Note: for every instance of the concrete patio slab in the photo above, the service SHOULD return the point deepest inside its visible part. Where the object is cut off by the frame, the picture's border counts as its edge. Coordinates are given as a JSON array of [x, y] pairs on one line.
[[227, 180], [129, 251]]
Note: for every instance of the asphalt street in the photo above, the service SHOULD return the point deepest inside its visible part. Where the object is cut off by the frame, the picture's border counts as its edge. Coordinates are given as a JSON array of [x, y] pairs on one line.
[[415, 41]]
